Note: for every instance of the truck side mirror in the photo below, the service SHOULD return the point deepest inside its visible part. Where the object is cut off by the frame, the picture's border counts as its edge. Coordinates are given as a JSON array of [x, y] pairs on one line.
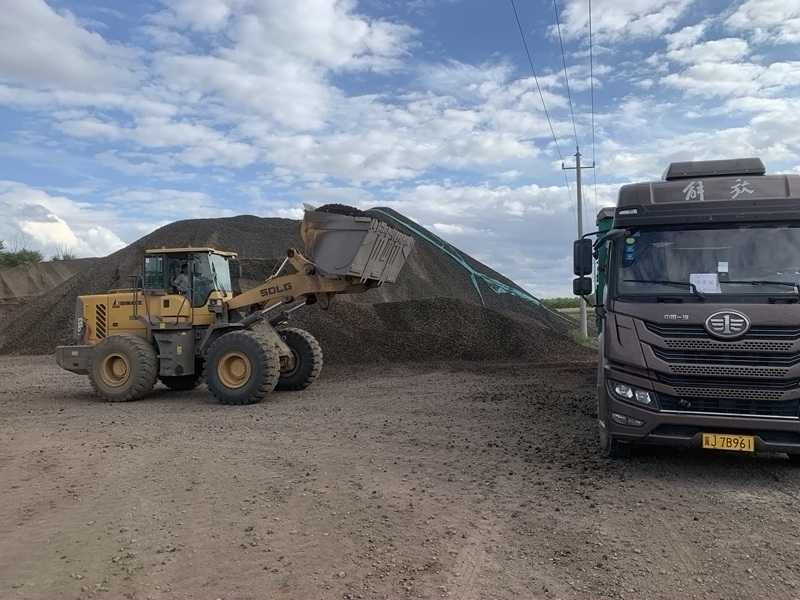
[[582, 259], [582, 286]]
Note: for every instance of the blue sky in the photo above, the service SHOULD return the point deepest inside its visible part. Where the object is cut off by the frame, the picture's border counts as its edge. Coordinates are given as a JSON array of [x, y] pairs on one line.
[[119, 117]]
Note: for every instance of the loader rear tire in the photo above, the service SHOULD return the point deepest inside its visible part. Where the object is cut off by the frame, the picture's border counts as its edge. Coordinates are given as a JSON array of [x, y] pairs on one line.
[[123, 367], [241, 367], [307, 356]]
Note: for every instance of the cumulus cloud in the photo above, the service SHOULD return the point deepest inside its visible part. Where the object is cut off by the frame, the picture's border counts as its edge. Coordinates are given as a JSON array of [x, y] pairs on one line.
[[621, 22], [218, 107], [769, 21], [72, 56], [54, 223]]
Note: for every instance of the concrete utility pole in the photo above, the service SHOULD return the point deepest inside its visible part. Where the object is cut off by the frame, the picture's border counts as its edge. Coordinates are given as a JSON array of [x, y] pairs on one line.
[[577, 167]]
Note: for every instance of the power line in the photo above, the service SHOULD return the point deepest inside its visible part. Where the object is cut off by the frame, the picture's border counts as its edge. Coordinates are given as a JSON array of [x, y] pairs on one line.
[[566, 77], [591, 91], [536, 79]]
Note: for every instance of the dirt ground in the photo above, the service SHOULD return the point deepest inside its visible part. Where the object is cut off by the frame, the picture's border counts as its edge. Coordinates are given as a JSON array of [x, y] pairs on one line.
[[457, 480]]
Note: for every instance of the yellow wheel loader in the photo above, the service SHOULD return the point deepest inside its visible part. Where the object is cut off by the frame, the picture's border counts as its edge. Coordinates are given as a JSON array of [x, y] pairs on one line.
[[185, 330]]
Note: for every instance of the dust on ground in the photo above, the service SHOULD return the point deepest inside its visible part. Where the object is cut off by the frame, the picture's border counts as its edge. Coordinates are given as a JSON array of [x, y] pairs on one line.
[[449, 480]]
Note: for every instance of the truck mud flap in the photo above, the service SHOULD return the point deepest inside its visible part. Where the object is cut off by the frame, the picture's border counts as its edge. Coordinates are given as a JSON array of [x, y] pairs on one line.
[[360, 247]]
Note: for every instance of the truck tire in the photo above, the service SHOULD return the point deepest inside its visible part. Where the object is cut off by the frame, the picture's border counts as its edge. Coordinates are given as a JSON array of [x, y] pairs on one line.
[[307, 356], [613, 448], [123, 367], [794, 459], [181, 383], [241, 367]]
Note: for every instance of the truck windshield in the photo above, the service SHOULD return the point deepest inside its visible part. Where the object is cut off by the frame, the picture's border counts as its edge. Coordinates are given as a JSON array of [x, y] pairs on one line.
[[762, 260]]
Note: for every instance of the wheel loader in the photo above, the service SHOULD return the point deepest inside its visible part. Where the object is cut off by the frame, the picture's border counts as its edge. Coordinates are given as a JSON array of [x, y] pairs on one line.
[[239, 344]]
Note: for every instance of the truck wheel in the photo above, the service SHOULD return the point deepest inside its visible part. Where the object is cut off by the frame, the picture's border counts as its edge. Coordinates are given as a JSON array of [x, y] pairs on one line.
[[241, 368], [794, 459], [181, 383], [307, 356], [123, 367], [613, 448]]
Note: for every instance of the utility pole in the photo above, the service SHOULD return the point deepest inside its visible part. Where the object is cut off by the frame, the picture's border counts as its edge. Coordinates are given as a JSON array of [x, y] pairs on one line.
[[577, 167]]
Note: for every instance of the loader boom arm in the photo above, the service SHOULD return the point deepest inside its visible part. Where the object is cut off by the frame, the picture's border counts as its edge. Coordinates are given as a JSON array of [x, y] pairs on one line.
[[296, 287]]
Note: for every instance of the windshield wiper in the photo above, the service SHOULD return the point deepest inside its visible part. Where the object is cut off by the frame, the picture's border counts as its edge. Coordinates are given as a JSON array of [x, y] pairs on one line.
[[791, 284], [700, 295]]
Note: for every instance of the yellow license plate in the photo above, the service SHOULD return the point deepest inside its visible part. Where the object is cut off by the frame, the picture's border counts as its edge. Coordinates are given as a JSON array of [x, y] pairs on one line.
[[721, 441]]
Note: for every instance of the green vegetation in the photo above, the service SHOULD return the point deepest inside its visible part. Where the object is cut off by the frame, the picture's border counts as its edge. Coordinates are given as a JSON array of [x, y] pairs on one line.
[[64, 253], [569, 302], [23, 256], [590, 341]]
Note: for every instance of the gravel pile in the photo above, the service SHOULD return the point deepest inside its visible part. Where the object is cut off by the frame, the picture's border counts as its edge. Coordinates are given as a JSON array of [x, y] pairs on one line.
[[436, 307]]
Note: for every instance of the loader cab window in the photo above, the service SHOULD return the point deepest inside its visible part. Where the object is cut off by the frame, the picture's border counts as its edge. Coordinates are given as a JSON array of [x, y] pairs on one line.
[[153, 273]]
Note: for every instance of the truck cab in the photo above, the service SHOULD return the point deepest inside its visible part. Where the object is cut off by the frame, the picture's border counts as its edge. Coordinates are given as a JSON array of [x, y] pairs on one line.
[[698, 293]]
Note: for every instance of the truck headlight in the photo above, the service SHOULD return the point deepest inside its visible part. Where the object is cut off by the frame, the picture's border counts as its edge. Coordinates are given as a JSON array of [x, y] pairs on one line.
[[633, 395]]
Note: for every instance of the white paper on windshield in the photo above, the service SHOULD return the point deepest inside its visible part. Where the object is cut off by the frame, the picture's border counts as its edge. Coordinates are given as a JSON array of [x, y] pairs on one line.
[[708, 283]]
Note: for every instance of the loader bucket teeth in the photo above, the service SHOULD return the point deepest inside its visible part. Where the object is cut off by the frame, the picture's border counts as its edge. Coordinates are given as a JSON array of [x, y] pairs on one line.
[[351, 246]]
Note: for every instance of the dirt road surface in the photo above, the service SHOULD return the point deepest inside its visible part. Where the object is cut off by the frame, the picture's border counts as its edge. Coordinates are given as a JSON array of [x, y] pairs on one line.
[[459, 480]]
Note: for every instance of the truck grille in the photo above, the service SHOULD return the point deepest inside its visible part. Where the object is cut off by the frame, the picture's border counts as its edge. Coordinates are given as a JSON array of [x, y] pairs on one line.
[[777, 385], [732, 406], [745, 377], [767, 359], [759, 332]]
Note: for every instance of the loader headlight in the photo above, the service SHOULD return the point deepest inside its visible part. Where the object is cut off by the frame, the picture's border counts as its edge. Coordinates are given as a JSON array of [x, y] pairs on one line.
[[633, 395]]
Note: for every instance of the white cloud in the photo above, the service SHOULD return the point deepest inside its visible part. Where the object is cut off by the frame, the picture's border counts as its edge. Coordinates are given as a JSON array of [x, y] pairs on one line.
[[686, 37], [55, 222], [724, 50], [768, 21], [61, 52], [735, 79], [232, 106], [621, 22]]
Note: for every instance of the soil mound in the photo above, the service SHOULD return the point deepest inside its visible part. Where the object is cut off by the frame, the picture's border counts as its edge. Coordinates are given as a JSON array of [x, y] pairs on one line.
[[444, 301]]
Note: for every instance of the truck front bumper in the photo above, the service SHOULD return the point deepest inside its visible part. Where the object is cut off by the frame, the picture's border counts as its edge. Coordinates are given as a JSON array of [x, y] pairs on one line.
[[686, 430], [74, 358]]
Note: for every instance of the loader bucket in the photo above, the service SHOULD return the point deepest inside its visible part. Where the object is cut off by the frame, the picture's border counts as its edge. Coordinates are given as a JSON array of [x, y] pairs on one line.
[[360, 247]]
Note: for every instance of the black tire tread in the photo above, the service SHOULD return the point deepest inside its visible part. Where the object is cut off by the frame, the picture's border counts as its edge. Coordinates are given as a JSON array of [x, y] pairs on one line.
[[264, 357], [309, 353], [614, 448], [140, 353]]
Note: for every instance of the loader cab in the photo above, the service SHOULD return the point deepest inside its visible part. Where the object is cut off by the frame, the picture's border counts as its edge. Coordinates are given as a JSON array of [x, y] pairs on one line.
[[208, 271]]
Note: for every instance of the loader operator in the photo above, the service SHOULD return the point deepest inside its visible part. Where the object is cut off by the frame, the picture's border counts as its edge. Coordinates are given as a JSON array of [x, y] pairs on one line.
[[181, 282]]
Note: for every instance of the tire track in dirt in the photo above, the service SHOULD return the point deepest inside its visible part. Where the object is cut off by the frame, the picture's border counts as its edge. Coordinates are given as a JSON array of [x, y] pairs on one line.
[[467, 567]]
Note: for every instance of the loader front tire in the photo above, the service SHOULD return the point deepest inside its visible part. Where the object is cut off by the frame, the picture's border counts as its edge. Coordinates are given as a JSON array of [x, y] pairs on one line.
[[123, 367], [241, 367], [307, 359]]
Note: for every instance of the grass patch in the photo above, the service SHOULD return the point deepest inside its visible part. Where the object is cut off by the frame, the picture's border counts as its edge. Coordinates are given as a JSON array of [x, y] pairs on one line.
[[590, 341]]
